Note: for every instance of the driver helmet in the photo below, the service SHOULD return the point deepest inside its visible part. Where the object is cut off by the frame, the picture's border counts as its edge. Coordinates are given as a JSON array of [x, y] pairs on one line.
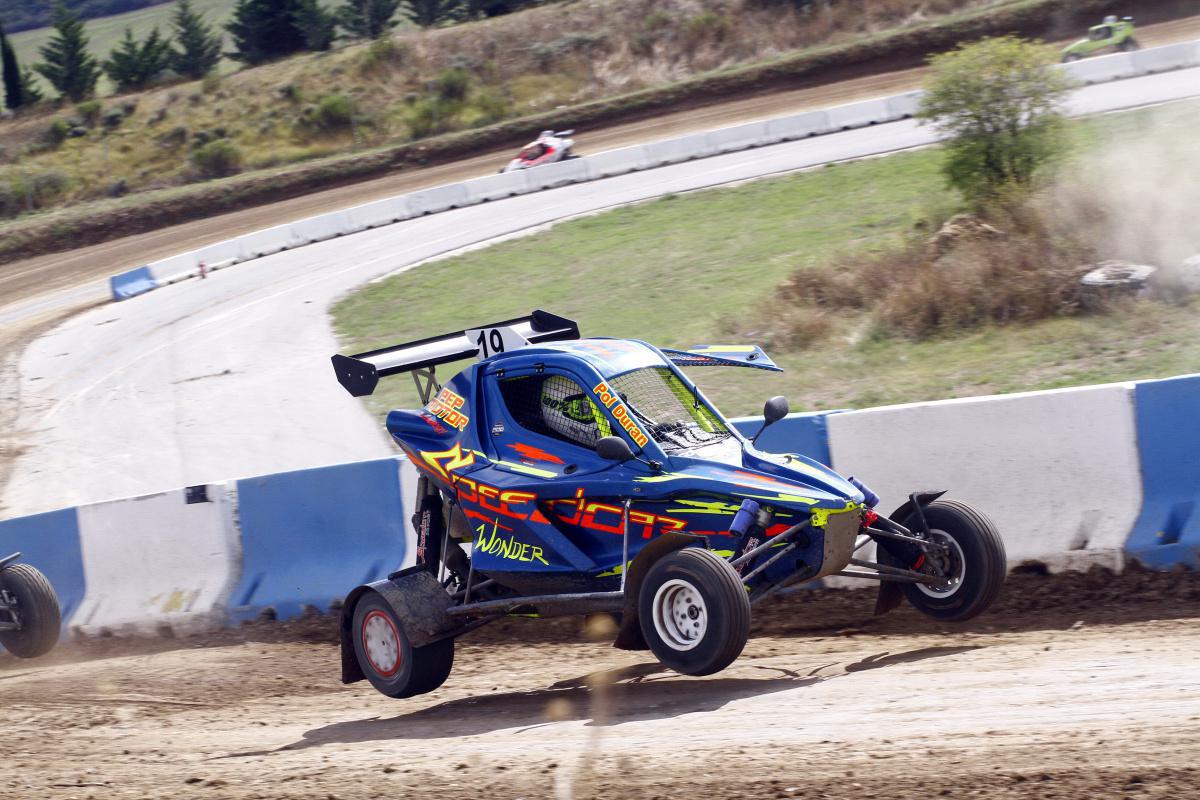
[[546, 135], [1110, 19], [566, 410]]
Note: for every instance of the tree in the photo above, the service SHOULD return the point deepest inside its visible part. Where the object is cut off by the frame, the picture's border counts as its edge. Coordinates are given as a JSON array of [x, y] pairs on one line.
[[316, 24], [999, 102], [263, 30], [67, 64], [14, 90], [134, 66], [428, 13], [199, 48], [368, 19]]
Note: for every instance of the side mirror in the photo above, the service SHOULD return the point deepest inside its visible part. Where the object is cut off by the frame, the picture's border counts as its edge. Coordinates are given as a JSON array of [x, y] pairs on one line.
[[613, 448], [775, 409]]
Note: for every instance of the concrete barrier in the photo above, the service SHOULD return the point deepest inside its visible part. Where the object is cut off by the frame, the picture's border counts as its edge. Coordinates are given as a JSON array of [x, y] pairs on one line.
[[858, 115], [324, 227], [737, 137], [439, 198], [1168, 57], [798, 126], [174, 268], [1167, 531], [51, 543], [230, 250], [1057, 471], [805, 433], [381, 212], [497, 187], [309, 537], [268, 241], [549, 176], [903, 106], [159, 561], [683, 148], [132, 283], [616, 162], [1103, 69]]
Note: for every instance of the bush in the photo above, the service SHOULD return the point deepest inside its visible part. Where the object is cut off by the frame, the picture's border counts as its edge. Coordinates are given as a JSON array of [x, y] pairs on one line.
[[210, 82], [453, 85], [217, 159], [89, 111], [332, 112], [1028, 270], [57, 132], [382, 53]]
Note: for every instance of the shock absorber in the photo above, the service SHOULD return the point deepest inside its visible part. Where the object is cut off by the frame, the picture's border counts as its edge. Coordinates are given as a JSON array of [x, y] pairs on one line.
[[751, 523]]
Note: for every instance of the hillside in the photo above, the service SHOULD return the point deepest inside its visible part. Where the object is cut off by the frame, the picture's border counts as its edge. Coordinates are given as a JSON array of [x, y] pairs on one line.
[[584, 63]]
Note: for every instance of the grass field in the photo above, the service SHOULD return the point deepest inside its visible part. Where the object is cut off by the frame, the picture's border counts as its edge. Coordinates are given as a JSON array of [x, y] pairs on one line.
[[104, 33], [694, 268]]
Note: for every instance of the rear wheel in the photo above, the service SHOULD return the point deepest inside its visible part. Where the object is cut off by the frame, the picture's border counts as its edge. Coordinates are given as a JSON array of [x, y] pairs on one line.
[[37, 609], [972, 561], [1129, 45], [388, 659], [694, 612], [1069, 57]]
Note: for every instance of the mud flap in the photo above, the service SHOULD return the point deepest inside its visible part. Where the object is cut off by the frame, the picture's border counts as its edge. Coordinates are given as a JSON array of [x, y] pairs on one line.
[[890, 595], [418, 600], [629, 637], [429, 523]]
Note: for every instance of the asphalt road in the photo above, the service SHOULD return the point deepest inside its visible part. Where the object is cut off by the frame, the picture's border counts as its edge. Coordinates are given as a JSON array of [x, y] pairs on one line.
[[229, 377]]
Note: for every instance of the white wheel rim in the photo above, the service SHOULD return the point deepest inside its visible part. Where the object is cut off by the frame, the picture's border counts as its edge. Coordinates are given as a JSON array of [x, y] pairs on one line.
[[680, 616], [952, 563], [381, 643]]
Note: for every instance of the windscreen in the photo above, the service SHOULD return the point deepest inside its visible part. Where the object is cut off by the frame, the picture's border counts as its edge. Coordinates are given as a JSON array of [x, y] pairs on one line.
[[671, 414]]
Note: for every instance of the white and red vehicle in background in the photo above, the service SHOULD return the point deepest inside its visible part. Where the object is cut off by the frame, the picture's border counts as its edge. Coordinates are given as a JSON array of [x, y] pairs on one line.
[[549, 147]]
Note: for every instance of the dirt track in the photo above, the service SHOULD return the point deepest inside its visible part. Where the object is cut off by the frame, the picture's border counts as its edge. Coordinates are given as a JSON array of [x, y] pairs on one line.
[[1046, 702]]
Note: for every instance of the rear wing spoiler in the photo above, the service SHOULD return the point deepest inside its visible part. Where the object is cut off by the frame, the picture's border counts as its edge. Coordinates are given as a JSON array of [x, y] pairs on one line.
[[360, 374], [721, 355]]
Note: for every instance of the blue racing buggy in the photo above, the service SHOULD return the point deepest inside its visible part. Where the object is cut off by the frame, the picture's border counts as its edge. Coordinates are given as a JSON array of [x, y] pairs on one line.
[[562, 475]]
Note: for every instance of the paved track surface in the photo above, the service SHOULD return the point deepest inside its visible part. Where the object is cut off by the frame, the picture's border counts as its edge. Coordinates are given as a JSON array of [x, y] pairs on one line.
[[1033, 710], [229, 376], [59, 272]]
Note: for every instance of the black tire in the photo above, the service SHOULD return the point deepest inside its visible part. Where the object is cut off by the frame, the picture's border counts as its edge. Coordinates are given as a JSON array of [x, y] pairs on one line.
[[1129, 45], [710, 597], [979, 560], [1070, 57], [37, 606], [417, 670]]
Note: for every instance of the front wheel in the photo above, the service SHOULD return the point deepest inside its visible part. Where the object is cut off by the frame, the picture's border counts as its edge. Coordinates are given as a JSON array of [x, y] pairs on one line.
[[972, 560], [694, 612], [36, 608], [388, 660], [1070, 57]]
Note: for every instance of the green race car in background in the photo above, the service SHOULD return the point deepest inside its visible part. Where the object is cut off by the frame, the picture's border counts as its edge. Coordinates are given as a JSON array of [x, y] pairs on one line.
[[1112, 34]]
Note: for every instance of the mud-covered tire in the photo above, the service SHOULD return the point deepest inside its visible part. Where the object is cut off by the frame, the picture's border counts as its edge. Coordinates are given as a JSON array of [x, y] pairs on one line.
[[37, 605], [1070, 58], [388, 660], [1129, 45], [694, 611], [975, 559]]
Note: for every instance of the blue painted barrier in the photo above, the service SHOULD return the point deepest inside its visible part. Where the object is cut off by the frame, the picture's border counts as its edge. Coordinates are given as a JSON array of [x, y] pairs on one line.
[[309, 537], [804, 433], [51, 543], [1167, 415], [132, 283]]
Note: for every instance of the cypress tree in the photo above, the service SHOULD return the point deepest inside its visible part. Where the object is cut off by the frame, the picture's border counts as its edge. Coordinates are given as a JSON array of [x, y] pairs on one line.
[[132, 66], [263, 30], [14, 95], [368, 19], [428, 13], [67, 64], [199, 47], [316, 24]]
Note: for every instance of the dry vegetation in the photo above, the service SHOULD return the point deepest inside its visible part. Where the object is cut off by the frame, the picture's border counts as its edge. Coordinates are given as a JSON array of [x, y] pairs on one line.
[[415, 85]]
